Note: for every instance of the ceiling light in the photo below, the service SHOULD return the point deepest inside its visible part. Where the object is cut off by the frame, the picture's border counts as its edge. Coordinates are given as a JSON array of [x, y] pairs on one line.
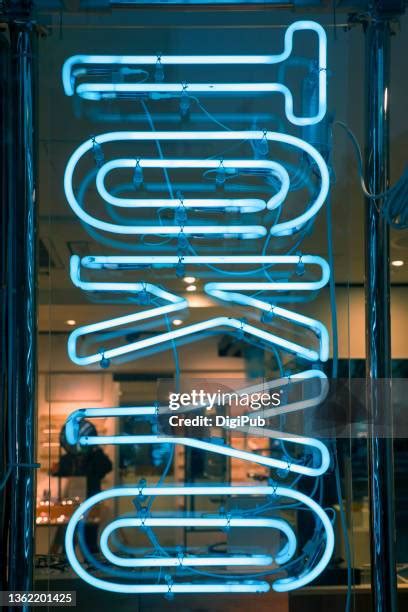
[[397, 263], [70, 322], [191, 288], [189, 279], [177, 321]]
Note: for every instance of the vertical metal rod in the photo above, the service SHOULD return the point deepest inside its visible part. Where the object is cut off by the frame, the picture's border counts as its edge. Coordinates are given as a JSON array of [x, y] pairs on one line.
[[21, 316], [4, 214], [378, 344]]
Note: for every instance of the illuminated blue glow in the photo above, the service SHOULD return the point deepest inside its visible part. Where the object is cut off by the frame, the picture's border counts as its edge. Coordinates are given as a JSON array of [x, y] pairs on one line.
[[96, 91], [217, 323], [221, 449], [245, 231], [176, 302], [244, 205], [73, 421], [284, 584], [223, 292], [72, 430], [234, 292], [190, 561], [283, 556], [296, 406], [218, 290], [279, 383], [110, 262]]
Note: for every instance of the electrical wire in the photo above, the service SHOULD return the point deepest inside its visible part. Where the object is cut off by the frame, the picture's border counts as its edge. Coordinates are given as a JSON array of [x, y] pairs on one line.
[[395, 199], [209, 115]]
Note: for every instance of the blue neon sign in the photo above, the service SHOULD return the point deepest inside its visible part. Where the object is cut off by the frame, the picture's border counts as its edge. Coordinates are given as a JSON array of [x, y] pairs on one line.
[[257, 297], [80, 65]]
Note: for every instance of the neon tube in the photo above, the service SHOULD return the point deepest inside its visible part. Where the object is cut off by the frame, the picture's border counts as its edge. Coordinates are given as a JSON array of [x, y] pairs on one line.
[[244, 205], [97, 90], [217, 323], [177, 303], [229, 292], [73, 421], [296, 406], [157, 91], [190, 561], [293, 406], [280, 229], [222, 292], [221, 449], [284, 584], [112, 262], [72, 429], [283, 556]]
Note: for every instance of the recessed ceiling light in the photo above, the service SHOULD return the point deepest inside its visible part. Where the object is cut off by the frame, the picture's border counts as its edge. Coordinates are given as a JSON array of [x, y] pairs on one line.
[[70, 322], [177, 321], [397, 263], [191, 288], [189, 279]]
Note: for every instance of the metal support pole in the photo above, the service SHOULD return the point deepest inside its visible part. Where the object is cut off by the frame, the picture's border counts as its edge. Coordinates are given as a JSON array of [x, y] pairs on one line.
[[20, 290], [4, 213], [378, 344]]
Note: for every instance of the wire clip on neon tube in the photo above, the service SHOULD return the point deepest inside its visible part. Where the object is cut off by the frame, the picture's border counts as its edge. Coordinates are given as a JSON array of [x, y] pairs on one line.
[[245, 231], [78, 67]]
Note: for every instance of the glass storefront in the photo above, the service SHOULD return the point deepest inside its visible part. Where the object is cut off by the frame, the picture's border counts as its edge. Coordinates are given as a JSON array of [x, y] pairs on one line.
[[204, 430]]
